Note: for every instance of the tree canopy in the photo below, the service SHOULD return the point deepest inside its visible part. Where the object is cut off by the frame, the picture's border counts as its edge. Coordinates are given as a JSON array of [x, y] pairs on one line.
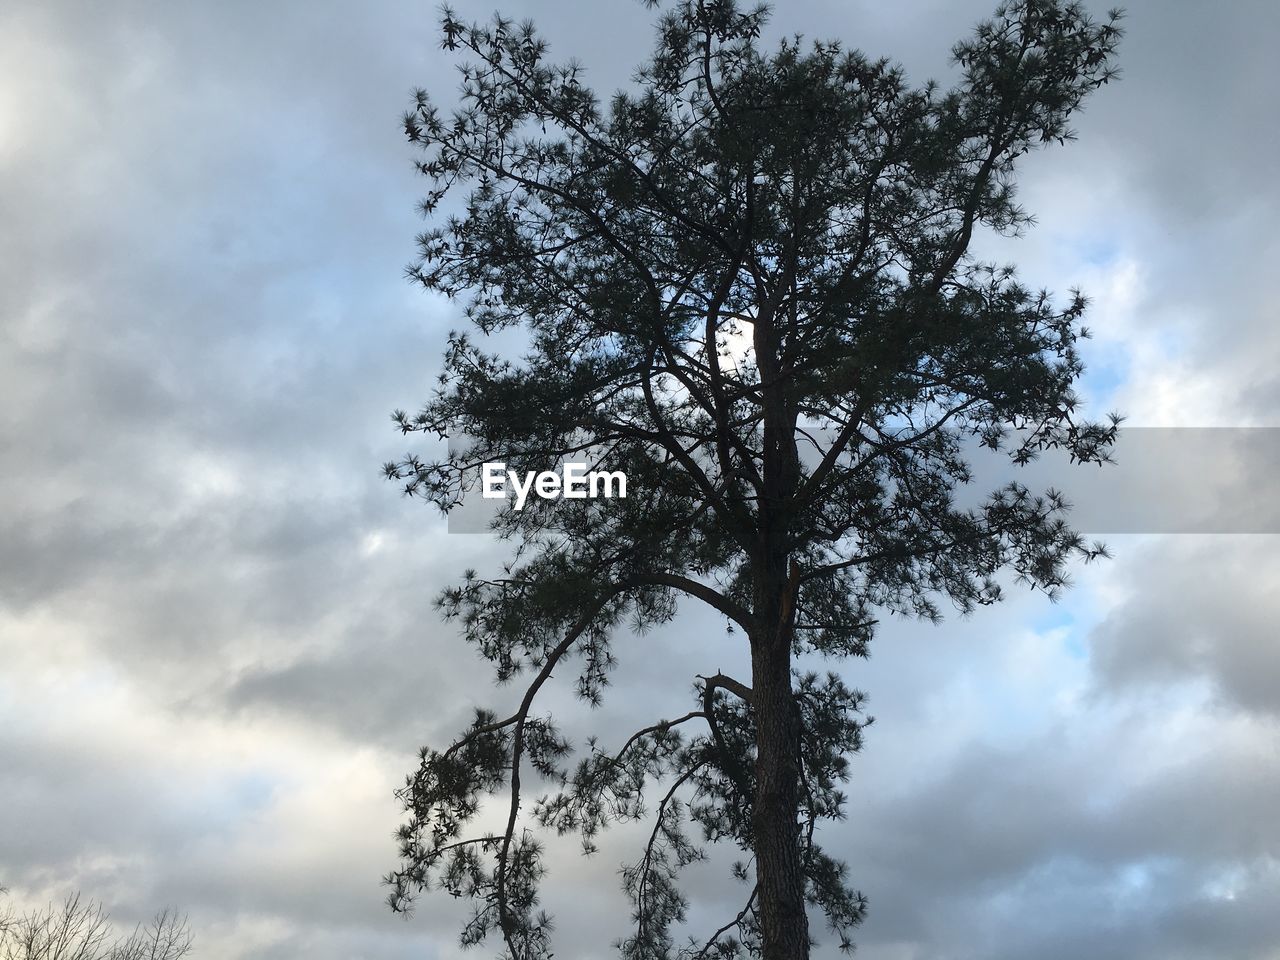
[[79, 929], [746, 282]]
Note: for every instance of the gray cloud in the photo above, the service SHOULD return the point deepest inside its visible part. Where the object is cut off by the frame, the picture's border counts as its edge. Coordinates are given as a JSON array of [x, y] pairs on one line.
[[1198, 611]]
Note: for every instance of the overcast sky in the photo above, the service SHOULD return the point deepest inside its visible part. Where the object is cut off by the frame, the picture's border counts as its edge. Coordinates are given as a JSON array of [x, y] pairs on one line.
[[217, 650]]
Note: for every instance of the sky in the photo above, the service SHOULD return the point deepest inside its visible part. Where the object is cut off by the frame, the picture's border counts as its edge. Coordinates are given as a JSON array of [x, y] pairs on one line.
[[218, 654]]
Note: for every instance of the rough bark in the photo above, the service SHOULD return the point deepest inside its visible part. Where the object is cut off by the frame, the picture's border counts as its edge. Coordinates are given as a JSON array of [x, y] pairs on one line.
[[783, 924]]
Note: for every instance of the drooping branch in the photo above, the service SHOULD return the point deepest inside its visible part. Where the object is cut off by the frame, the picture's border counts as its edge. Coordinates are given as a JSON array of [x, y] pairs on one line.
[[733, 924], [728, 762]]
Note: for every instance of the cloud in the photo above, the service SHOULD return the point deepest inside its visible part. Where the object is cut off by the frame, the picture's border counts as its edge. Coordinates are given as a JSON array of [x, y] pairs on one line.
[[1178, 625]]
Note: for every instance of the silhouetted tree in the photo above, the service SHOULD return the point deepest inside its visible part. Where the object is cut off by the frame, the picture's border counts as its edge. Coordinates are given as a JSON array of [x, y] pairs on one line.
[[79, 929], [746, 282]]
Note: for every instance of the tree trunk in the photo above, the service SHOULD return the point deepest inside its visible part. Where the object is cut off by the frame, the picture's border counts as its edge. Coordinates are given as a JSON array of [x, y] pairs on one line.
[[784, 926]]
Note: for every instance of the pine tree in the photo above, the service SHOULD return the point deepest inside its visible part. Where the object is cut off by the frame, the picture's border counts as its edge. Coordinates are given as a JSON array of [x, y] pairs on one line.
[[746, 282]]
